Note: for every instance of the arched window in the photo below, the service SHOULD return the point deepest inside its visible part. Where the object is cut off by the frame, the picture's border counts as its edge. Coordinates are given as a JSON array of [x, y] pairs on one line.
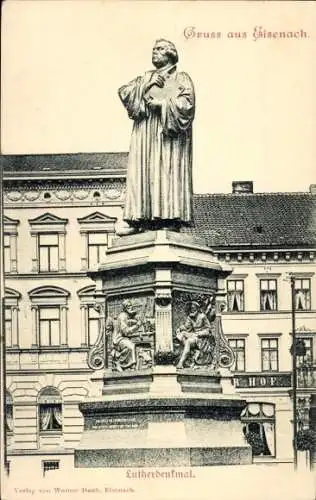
[[11, 310], [89, 316], [9, 412], [49, 306], [259, 428], [50, 410]]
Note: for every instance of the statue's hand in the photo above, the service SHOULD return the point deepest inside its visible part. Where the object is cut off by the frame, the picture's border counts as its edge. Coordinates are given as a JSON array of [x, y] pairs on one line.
[[154, 103], [157, 79]]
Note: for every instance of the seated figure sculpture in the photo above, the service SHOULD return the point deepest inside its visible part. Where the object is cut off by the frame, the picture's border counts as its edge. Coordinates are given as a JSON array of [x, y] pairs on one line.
[[196, 336], [127, 324]]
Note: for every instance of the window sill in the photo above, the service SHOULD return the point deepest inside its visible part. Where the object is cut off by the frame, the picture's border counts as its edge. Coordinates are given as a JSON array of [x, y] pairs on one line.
[[266, 372], [233, 312], [51, 433], [263, 458], [39, 350]]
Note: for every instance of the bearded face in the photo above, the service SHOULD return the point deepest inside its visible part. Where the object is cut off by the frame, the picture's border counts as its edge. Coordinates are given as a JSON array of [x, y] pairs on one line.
[[160, 54]]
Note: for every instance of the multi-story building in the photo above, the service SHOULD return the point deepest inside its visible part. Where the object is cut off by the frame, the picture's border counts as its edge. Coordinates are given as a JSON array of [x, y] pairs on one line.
[[267, 238], [60, 215]]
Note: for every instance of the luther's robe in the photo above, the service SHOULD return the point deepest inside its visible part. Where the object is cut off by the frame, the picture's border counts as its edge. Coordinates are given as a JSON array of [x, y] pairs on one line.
[[159, 173]]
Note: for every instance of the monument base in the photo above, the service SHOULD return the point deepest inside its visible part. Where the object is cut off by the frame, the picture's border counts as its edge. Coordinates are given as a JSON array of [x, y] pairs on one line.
[[151, 430], [165, 397]]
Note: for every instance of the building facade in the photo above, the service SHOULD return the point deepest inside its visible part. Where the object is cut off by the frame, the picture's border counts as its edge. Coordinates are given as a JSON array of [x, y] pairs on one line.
[[61, 212]]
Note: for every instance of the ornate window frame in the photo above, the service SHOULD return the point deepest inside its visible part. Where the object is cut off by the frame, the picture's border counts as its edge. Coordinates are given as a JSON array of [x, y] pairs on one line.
[[49, 296], [49, 398], [234, 278], [270, 337], [9, 412], [48, 224], [238, 338], [11, 301], [10, 229], [263, 414], [95, 222]]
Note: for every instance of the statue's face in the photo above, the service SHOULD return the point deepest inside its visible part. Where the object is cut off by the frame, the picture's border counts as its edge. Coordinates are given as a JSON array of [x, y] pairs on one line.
[[194, 309], [160, 55], [129, 308]]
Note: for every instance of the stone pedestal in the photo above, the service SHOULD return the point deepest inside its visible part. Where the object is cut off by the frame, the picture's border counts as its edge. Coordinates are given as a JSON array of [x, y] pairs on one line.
[[162, 404]]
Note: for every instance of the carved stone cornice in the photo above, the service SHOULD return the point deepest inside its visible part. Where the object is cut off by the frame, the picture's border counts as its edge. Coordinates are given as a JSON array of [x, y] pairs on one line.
[[43, 193], [266, 256]]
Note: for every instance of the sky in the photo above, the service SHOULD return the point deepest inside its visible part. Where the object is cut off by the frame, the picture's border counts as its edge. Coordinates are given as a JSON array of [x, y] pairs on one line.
[[63, 61]]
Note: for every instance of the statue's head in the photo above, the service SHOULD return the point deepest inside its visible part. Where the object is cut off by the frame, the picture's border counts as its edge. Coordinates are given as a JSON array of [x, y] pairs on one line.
[[164, 52], [195, 307], [128, 307]]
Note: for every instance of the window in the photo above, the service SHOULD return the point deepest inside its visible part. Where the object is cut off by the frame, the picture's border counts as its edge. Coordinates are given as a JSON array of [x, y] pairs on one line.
[[259, 428], [9, 412], [90, 317], [48, 234], [8, 326], [308, 357], [97, 230], [235, 295], [302, 294], [49, 326], [50, 410], [10, 235], [268, 295], [48, 252], [48, 465], [11, 310], [93, 325], [269, 355], [303, 409], [97, 245], [49, 315], [238, 347], [7, 252], [306, 374]]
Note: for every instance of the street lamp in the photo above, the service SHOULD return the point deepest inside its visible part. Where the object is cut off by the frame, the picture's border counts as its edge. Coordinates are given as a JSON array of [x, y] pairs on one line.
[[294, 372], [297, 349]]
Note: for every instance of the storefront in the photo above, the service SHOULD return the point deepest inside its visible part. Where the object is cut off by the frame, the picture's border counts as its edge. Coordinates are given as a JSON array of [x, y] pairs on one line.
[[267, 417]]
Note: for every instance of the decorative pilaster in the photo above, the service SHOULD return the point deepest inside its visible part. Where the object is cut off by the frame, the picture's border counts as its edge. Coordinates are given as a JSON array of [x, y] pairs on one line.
[[62, 252], [34, 247], [35, 332], [83, 324], [84, 260], [13, 238], [163, 317], [163, 322], [15, 326], [63, 325]]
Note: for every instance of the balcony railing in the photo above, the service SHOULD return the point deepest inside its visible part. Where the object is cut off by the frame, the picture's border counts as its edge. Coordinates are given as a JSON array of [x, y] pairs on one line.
[[306, 376]]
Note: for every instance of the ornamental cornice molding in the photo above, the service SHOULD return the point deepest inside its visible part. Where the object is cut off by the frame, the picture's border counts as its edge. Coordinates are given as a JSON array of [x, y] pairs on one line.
[[267, 256], [64, 192]]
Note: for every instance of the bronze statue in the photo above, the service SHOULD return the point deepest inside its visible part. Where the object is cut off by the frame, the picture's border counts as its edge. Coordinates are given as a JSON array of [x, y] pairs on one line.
[[159, 175]]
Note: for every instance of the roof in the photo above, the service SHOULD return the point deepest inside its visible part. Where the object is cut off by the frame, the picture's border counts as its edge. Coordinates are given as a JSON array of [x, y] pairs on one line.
[[256, 220], [223, 220], [52, 164]]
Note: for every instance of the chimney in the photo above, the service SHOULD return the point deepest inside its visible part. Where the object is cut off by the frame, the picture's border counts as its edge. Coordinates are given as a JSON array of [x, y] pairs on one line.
[[242, 187], [312, 188]]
